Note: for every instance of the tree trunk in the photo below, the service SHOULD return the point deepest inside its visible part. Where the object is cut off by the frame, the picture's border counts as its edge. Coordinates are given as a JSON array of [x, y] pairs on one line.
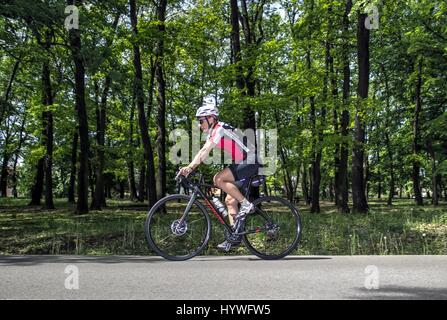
[[332, 77], [143, 124], [392, 179], [161, 99], [37, 188], [74, 153], [4, 169], [367, 175], [236, 44], [358, 180], [5, 102], [304, 185], [91, 178], [131, 180], [336, 182], [434, 177], [342, 182], [17, 153], [130, 163], [316, 152], [48, 136], [99, 199], [416, 133], [122, 189], [379, 187], [4, 172], [287, 178], [141, 183], [387, 138], [316, 179], [331, 190], [75, 46], [247, 84], [151, 178], [295, 187]]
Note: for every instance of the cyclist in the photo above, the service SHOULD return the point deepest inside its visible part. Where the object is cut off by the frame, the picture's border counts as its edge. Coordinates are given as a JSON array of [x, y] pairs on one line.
[[244, 164]]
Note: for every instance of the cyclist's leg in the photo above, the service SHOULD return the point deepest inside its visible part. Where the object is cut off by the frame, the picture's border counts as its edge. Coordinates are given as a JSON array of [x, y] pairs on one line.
[[232, 205], [226, 178], [225, 181]]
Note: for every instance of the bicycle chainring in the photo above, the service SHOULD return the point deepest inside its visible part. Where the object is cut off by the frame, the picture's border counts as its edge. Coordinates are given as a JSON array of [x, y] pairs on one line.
[[232, 238]]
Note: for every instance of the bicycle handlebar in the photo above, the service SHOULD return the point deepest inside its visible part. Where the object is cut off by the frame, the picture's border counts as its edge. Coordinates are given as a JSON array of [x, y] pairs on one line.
[[187, 183]]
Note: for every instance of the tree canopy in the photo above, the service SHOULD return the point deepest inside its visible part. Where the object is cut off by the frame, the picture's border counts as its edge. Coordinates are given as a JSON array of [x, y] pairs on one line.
[[356, 89]]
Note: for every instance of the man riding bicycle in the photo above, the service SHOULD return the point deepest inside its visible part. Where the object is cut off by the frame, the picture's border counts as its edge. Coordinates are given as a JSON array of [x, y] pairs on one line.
[[244, 164]]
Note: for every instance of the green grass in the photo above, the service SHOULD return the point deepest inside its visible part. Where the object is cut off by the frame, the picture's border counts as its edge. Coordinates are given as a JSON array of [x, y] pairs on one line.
[[400, 229]]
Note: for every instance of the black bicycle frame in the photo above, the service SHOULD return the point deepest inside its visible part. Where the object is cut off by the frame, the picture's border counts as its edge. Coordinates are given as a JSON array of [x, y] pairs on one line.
[[198, 191]]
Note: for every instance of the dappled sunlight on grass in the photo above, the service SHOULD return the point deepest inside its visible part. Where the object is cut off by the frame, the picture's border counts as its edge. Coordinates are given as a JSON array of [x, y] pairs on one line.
[[399, 229]]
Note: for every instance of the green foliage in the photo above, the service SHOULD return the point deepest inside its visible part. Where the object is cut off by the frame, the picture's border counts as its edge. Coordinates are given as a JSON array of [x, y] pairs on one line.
[[288, 63]]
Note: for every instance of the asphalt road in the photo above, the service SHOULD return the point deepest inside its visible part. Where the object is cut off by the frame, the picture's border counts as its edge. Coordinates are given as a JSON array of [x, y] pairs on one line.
[[231, 277]]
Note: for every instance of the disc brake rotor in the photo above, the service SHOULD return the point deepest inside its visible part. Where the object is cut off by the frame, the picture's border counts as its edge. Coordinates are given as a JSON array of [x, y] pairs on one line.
[[178, 228]]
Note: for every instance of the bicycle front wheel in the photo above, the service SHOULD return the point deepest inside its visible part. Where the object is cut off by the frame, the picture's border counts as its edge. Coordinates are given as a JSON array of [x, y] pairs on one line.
[[172, 238], [274, 229]]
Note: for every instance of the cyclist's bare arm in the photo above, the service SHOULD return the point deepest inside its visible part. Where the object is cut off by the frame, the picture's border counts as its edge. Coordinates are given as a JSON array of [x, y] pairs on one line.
[[199, 158]]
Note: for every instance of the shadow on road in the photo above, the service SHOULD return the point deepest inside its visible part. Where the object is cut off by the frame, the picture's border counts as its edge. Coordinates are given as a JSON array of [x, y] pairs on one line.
[[32, 260], [402, 293], [254, 258]]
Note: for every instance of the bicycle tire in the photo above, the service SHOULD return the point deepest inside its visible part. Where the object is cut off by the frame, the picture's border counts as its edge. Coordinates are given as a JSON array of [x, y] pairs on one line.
[[256, 241], [155, 220]]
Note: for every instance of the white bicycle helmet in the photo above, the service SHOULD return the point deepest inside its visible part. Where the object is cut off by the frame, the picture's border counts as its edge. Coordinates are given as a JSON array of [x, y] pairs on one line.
[[208, 108]]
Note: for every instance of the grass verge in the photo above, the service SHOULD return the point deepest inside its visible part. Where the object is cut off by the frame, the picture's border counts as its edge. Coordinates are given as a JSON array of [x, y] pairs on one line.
[[118, 230]]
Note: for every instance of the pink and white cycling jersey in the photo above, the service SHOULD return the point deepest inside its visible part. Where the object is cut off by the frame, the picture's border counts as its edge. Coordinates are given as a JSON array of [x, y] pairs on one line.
[[225, 138]]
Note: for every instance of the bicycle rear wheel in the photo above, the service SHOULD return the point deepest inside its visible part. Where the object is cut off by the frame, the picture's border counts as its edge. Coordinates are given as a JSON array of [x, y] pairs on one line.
[[171, 238], [274, 229]]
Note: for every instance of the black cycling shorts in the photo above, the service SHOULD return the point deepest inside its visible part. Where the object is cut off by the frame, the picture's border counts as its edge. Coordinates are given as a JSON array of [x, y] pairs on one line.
[[243, 170]]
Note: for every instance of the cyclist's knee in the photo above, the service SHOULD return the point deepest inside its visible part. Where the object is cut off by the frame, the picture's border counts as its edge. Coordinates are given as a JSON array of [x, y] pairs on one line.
[[217, 179]]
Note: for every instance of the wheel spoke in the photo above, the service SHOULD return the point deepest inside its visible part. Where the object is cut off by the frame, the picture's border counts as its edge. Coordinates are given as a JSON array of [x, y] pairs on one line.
[[274, 229], [171, 238]]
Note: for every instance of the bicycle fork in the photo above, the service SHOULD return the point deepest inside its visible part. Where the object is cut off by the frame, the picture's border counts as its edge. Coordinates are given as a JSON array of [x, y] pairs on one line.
[[184, 217]]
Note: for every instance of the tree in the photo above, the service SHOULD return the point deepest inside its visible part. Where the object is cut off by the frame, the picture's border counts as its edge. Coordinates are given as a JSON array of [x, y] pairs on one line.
[[161, 99], [344, 121], [81, 109], [148, 154], [416, 134], [99, 199], [358, 180]]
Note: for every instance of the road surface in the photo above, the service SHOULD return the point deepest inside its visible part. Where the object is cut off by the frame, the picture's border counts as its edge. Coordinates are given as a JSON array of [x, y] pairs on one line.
[[229, 277]]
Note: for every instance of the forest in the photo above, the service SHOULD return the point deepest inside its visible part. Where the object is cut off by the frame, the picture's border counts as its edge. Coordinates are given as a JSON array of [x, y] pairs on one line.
[[91, 90]]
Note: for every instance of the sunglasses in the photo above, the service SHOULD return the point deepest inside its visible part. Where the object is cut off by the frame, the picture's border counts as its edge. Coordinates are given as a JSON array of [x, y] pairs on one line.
[[202, 120]]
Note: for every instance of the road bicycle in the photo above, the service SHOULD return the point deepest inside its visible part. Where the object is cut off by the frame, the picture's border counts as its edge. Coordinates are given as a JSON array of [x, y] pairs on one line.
[[178, 227]]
